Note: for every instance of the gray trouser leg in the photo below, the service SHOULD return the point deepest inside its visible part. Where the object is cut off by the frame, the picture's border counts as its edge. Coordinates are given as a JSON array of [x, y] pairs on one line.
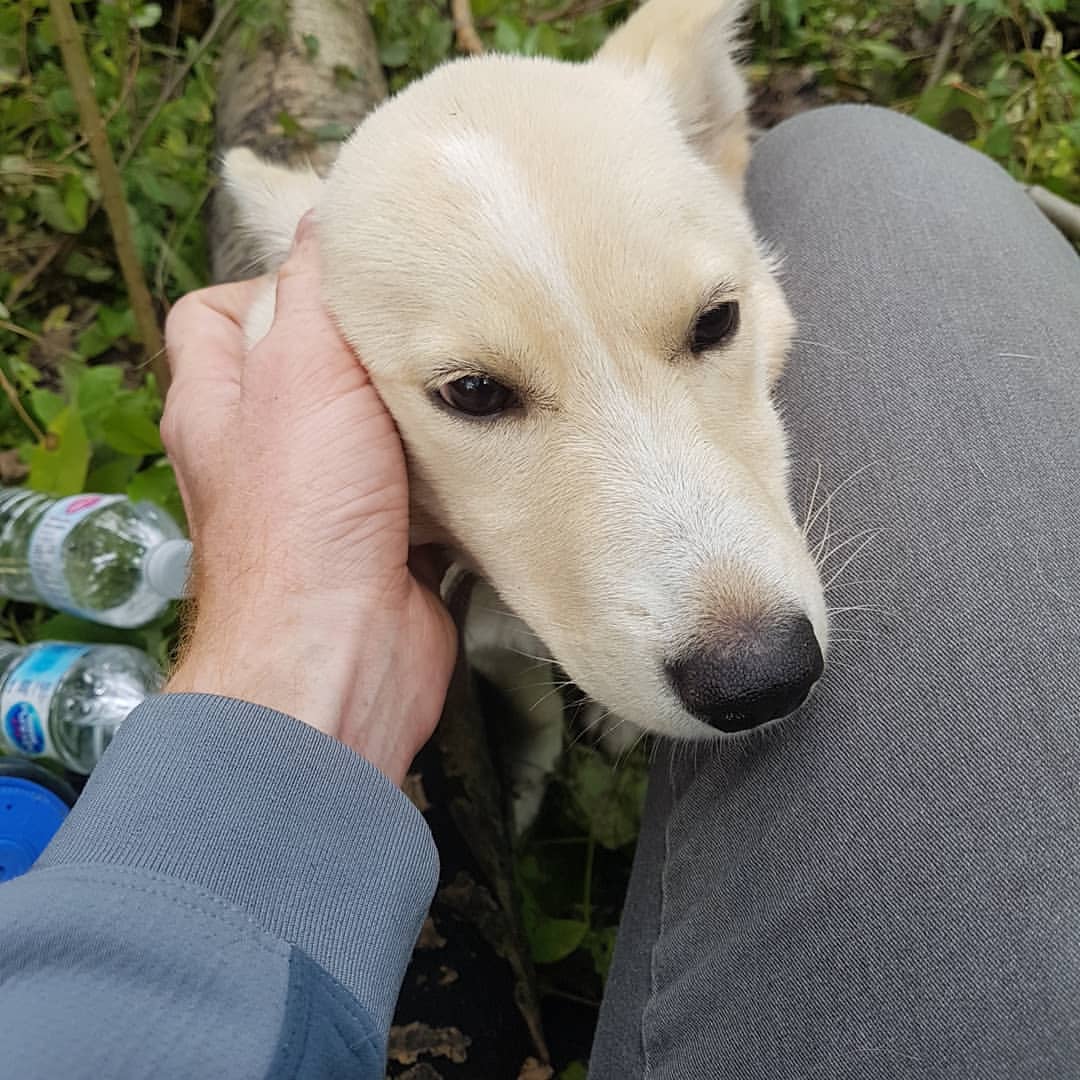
[[887, 884]]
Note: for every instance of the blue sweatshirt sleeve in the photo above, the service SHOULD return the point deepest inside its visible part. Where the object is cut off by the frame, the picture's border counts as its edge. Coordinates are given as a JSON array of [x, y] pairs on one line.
[[234, 895]]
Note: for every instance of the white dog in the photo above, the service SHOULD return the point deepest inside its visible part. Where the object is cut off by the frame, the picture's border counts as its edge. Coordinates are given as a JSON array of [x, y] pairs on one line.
[[551, 275]]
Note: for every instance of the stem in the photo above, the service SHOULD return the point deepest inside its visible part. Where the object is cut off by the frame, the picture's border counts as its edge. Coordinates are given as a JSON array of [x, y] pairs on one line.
[[468, 40], [221, 17], [112, 188], [945, 48], [17, 405], [554, 991], [586, 900]]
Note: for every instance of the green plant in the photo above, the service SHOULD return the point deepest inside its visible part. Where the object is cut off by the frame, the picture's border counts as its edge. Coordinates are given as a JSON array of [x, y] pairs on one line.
[[77, 412], [77, 408]]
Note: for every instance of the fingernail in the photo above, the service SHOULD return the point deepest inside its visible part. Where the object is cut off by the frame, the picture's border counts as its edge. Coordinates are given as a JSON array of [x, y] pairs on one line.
[[305, 230]]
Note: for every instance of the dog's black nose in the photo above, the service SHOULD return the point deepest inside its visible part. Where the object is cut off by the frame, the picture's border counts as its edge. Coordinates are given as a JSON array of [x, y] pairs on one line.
[[740, 681]]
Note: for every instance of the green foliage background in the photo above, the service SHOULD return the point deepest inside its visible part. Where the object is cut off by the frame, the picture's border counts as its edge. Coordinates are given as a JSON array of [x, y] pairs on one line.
[[79, 413]]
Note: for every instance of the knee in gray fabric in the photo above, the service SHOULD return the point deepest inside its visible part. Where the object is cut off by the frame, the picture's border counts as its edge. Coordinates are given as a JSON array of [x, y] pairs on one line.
[[868, 137]]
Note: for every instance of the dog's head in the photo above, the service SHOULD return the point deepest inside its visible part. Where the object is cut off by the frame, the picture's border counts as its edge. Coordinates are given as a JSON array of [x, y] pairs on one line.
[[549, 271]]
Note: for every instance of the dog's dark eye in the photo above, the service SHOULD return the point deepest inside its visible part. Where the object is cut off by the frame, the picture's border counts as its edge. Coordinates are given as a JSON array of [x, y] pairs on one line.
[[477, 395], [714, 327]]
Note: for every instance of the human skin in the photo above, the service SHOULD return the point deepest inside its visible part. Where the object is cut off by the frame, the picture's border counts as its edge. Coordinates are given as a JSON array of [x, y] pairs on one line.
[[293, 477]]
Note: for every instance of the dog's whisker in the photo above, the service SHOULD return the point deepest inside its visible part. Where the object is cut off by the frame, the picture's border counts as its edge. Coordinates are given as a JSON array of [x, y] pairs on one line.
[[528, 656], [587, 728], [822, 345], [826, 536], [836, 491], [851, 558], [540, 701], [628, 753], [558, 684], [877, 582], [813, 494], [846, 543]]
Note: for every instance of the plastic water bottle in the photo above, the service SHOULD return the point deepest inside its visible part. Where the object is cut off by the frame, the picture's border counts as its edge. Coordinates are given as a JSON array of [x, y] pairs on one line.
[[101, 557], [66, 701]]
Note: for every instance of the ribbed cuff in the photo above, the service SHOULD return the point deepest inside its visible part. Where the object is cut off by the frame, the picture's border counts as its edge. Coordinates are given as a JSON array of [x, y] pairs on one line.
[[314, 842]]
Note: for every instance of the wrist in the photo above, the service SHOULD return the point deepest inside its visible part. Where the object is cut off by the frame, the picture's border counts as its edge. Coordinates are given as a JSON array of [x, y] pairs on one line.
[[328, 666]]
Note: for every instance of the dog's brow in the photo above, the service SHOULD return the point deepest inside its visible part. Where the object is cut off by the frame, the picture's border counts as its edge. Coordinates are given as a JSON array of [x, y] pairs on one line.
[[508, 210]]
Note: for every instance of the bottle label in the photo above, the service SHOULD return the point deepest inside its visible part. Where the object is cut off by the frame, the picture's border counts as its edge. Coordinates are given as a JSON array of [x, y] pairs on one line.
[[46, 554], [27, 694]]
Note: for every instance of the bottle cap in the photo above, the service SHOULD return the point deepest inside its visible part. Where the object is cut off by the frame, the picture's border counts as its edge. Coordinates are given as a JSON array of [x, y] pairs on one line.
[[33, 805], [168, 569]]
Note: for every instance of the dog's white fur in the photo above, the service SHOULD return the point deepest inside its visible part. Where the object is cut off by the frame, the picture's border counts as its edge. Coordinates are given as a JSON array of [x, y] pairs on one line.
[[557, 227]]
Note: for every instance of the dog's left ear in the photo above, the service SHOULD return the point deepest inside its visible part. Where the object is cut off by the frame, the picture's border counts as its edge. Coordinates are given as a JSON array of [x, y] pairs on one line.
[[689, 46], [270, 201]]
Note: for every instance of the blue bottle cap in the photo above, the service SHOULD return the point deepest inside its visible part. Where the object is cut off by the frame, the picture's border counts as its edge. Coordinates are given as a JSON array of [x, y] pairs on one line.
[[33, 805]]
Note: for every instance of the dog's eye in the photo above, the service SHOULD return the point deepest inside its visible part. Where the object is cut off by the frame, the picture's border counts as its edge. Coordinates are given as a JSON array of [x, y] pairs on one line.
[[714, 327], [477, 395]]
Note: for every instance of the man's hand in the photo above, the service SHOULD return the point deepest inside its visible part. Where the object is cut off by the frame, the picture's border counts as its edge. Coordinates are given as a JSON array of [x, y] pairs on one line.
[[294, 481]]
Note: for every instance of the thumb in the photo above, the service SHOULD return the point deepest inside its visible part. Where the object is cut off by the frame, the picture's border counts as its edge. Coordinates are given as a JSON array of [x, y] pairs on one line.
[[301, 323]]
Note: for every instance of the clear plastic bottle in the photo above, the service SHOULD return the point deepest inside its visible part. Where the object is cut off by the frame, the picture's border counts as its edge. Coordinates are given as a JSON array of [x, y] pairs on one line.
[[66, 701], [101, 557]]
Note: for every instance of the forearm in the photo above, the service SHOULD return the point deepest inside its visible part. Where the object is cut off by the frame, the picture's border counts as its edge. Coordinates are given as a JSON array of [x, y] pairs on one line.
[[221, 853]]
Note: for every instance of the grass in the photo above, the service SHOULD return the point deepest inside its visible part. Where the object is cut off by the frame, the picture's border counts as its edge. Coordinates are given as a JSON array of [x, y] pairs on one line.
[[78, 411]]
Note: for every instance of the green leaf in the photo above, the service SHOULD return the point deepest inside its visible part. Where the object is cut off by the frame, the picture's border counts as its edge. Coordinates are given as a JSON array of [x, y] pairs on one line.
[[601, 947], [64, 627], [61, 470], [509, 32], [394, 54], [884, 53], [46, 404], [332, 132], [791, 12], [147, 16], [95, 393], [127, 429], [574, 1071], [551, 940], [80, 265], [999, 140], [62, 102], [610, 799], [164, 190], [158, 485], [934, 103], [311, 45], [112, 477], [76, 201], [56, 211], [110, 326], [291, 127]]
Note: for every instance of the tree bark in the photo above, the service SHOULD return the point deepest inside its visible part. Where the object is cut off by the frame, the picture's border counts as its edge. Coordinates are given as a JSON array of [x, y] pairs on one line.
[[285, 93]]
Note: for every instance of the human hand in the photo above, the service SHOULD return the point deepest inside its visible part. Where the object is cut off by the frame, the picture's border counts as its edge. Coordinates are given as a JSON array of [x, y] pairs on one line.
[[294, 482]]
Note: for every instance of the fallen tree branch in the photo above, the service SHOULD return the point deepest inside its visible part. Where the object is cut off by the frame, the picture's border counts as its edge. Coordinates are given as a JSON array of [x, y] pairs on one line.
[[468, 40], [1064, 214], [112, 188]]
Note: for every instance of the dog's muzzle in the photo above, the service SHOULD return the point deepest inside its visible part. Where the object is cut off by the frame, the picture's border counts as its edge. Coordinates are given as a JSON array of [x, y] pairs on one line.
[[760, 674]]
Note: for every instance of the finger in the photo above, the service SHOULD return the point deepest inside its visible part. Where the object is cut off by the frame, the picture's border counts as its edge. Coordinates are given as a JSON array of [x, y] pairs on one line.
[[204, 333], [302, 325]]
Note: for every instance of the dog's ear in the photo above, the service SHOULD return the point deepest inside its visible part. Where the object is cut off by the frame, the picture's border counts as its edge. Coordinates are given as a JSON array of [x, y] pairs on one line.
[[270, 201], [689, 46]]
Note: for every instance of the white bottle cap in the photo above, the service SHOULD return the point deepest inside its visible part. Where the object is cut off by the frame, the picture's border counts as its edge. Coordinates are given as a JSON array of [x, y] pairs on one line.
[[168, 569]]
